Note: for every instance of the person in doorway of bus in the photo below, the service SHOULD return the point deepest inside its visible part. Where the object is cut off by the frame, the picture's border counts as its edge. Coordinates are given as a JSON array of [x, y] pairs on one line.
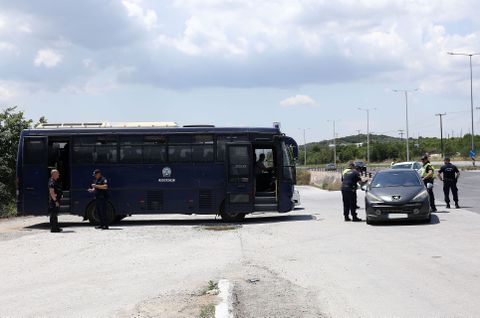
[[262, 173], [449, 174], [428, 174], [350, 179], [55, 195], [100, 189]]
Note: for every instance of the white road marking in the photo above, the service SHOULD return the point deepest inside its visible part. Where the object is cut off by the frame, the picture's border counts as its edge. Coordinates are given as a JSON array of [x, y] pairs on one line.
[[225, 308]]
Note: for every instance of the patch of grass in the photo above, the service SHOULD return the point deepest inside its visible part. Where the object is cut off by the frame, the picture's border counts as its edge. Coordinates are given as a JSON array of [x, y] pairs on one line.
[[9, 210], [303, 177], [212, 288], [207, 311]]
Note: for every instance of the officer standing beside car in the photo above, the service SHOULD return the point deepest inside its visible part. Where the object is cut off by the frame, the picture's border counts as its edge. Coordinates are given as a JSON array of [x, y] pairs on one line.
[[449, 174], [100, 189], [350, 178], [428, 173]]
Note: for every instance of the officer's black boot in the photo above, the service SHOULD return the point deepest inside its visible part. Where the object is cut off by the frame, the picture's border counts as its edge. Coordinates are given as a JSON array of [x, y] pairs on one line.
[[457, 206], [347, 219], [448, 205]]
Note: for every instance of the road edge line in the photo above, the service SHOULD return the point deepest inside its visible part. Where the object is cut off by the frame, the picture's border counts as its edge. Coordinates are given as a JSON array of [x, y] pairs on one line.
[[225, 308]]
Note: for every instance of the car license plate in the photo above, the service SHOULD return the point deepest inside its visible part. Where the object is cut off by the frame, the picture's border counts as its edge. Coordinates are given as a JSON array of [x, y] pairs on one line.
[[397, 215]]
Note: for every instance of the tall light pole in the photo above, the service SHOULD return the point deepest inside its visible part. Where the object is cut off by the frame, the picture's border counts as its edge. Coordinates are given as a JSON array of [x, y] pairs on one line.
[[441, 132], [334, 141], [367, 110], [304, 144], [471, 91], [406, 91]]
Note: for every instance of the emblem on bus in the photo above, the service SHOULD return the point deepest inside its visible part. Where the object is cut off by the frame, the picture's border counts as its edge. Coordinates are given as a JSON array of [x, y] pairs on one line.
[[167, 175], [167, 172]]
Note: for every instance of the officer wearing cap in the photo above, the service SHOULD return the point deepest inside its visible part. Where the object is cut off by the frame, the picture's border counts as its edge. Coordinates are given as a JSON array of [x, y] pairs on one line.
[[449, 174], [355, 197], [55, 194], [350, 178], [427, 176], [100, 189]]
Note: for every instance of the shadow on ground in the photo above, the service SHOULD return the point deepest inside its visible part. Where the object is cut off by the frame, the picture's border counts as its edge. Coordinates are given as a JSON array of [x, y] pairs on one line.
[[249, 220]]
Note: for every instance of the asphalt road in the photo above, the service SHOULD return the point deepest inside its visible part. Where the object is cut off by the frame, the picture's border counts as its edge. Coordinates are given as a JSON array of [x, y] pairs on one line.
[[308, 263], [469, 191]]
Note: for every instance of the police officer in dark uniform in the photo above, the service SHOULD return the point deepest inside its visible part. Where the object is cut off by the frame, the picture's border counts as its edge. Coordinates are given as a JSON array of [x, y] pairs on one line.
[[428, 174], [351, 177], [449, 174], [55, 194], [100, 190]]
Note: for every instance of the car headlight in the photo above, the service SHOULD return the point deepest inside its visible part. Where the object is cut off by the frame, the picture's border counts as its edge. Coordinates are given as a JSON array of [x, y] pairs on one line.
[[421, 196], [373, 198]]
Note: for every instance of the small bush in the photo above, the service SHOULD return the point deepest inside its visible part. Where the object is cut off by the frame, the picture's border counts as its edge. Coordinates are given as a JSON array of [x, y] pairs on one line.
[[303, 177], [8, 210]]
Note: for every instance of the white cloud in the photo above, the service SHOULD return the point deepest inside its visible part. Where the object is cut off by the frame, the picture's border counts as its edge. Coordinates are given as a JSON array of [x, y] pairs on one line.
[[298, 100], [48, 58], [6, 93], [146, 16]]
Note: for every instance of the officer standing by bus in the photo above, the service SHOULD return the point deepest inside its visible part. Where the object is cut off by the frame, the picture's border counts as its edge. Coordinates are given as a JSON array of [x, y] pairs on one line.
[[350, 178], [428, 173], [449, 174], [55, 194], [100, 190]]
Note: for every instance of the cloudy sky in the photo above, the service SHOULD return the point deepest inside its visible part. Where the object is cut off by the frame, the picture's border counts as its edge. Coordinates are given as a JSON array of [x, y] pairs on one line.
[[243, 62]]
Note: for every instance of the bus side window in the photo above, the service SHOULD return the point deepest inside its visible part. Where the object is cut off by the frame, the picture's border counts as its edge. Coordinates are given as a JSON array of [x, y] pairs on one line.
[[33, 151], [222, 140], [203, 148], [154, 149], [180, 148], [105, 150], [83, 149], [131, 149]]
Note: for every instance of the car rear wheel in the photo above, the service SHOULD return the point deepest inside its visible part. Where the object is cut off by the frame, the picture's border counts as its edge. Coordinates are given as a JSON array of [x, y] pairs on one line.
[[232, 217]]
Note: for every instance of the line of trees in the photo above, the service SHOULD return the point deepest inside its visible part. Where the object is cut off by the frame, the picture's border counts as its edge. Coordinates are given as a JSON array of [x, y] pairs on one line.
[[12, 122], [384, 148]]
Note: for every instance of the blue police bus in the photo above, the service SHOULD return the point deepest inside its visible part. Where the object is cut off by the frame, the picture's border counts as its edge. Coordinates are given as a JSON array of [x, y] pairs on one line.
[[155, 168]]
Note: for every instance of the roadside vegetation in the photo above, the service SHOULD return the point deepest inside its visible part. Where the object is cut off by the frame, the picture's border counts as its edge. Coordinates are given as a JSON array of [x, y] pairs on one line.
[[12, 122], [303, 177]]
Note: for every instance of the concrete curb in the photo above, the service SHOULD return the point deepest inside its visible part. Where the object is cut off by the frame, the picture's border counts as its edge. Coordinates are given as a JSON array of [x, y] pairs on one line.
[[225, 308]]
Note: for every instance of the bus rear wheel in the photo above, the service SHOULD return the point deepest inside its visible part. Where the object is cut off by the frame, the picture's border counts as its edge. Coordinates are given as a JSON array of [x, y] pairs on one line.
[[232, 217], [92, 214]]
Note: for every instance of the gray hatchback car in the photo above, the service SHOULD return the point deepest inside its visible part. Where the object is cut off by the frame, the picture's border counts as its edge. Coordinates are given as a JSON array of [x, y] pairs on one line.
[[397, 194]]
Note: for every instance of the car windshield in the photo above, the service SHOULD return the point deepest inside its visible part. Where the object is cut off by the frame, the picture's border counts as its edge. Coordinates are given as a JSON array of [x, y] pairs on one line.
[[399, 179], [402, 166]]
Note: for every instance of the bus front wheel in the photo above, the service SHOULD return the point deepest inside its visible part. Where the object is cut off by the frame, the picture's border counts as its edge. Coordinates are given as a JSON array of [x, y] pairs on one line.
[[92, 214], [232, 217]]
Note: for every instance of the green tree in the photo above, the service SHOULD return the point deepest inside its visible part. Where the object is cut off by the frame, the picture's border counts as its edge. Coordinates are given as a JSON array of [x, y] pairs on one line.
[[12, 122]]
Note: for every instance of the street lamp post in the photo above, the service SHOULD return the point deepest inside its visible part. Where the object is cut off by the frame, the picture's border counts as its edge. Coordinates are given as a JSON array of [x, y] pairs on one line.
[[305, 144], [367, 110], [334, 142], [406, 91], [441, 132], [471, 92]]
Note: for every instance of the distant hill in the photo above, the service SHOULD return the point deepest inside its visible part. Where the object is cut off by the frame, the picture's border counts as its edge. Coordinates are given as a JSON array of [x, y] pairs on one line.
[[355, 139]]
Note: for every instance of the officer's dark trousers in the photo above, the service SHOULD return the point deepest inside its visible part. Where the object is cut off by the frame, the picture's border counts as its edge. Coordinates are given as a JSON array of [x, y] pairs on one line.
[[349, 204], [450, 185], [431, 195], [101, 209], [53, 211]]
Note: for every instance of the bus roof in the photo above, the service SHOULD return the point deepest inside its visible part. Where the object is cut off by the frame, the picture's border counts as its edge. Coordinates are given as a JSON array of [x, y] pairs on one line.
[[204, 129]]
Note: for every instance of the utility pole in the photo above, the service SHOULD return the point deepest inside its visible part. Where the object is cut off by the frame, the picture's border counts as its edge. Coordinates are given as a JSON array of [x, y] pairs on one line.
[[358, 131], [470, 55], [406, 91], [304, 144], [441, 132], [334, 141], [401, 132], [367, 110]]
